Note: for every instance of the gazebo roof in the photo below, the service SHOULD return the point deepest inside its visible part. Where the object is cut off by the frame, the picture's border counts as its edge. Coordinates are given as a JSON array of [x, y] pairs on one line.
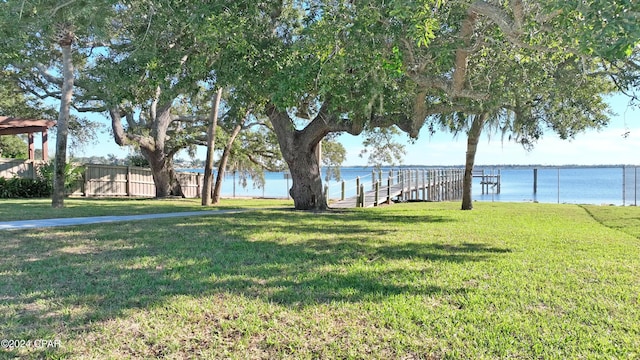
[[10, 125]]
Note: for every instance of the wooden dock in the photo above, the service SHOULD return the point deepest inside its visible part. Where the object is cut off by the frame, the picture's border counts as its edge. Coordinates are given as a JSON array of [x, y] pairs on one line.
[[488, 181], [406, 185]]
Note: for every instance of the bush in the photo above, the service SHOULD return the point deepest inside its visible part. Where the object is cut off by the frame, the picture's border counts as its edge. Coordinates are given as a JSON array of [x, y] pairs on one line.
[[24, 188], [73, 174]]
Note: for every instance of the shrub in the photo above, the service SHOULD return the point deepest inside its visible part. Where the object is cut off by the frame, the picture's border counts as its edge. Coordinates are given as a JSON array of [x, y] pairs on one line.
[[73, 174], [24, 188]]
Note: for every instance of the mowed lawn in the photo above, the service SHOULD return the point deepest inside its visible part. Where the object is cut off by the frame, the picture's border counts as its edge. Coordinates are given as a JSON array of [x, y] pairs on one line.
[[408, 281]]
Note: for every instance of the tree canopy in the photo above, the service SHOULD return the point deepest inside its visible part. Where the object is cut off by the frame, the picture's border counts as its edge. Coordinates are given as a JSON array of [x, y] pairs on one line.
[[315, 68]]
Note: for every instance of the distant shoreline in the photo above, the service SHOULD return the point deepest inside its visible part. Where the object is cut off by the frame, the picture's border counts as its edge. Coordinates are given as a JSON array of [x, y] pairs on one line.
[[504, 166], [477, 167]]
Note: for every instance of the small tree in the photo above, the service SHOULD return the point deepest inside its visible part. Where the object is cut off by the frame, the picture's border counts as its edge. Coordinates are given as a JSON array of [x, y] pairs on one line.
[[13, 146], [41, 36]]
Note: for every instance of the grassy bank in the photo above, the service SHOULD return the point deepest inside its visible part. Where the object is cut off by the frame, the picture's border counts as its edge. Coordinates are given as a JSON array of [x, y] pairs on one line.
[[404, 281]]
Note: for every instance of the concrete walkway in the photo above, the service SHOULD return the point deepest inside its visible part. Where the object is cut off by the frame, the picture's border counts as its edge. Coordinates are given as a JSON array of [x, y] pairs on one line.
[[47, 223]]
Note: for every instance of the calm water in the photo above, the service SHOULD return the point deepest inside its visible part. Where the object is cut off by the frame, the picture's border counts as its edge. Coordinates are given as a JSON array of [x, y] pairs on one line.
[[585, 185]]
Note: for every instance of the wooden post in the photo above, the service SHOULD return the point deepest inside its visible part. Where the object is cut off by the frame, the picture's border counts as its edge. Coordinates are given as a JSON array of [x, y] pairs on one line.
[[198, 185], [424, 185], [447, 193], [451, 185], [128, 178], [446, 184], [443, 185], [456, 184], [409, 185], [85, 184], [417, 186], [401, 182], [499, 180], [361, 195], [343, 190], [390, 177], [326, 194], [436, 185], [357, 188], [429, 181], [482, 182], [45, 145], [535, 180], [389, 180], [377, 195]]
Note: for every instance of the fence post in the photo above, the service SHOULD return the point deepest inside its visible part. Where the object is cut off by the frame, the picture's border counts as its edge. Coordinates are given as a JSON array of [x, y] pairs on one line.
[[361, 195], [390, 177], [417, 187], [389, 190], [357, 188], [377, 196], [424, 185], [451, 184], [198, 185], [401, 182], [443, 182], [343, 190], [409, 185], [128, 179], [85, 183]]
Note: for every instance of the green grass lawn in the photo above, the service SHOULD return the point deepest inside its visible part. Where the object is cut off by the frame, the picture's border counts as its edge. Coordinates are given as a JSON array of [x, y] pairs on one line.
[[409, 281], [28, 209]]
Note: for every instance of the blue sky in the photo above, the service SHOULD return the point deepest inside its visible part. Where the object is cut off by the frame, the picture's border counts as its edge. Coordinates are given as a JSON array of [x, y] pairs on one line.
[[607, 146]]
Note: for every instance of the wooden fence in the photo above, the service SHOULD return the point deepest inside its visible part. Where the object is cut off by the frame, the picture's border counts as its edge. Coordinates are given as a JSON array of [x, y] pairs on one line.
[[110, 180], [107, 180], [10, 168]]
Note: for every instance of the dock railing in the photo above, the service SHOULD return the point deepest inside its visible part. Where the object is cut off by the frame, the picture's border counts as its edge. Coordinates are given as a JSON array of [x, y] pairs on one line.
[[402, 185]]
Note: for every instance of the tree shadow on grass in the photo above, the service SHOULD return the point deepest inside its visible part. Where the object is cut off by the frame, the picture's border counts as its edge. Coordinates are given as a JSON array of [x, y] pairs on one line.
[[63, 280]]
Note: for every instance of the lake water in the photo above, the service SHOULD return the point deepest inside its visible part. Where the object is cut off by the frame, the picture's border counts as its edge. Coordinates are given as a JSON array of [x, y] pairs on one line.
[[580, 185]]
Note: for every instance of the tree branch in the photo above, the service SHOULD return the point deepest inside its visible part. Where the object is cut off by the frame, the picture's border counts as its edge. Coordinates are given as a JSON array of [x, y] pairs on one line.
[[45, 74], [462, 53]]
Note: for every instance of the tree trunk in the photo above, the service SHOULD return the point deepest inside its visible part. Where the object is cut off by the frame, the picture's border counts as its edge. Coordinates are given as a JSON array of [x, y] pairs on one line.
[[299, 149], [152, 148], [164, 177], [472, 145], [223, 162], [211, 138], [306, 191], [60, 163]]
